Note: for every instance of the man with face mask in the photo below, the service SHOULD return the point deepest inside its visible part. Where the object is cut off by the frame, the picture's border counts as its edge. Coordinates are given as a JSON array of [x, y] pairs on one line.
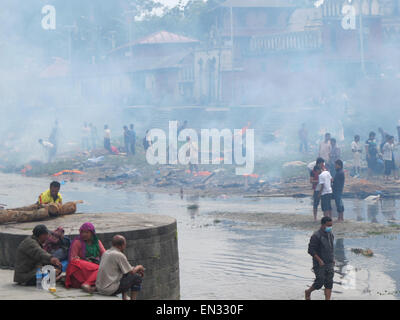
[[321, 248], [116, 275]]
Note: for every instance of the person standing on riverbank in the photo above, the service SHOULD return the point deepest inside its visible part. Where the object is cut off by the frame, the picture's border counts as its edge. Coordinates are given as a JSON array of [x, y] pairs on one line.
[[314, 174], [321, 249], [126, 139], [53, 138], [387, 151], [337, 188], [107, 139], [357, 150], [147, 141], [132, 139], [325, 148], [333, 156], [325, 191], [303, 137], [371, 150]]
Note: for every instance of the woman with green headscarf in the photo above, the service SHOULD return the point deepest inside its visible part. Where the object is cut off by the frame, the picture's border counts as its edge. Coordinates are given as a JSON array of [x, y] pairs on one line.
[[84, 258]]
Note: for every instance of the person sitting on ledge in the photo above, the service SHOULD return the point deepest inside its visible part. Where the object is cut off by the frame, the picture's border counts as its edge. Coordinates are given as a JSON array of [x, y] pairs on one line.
[[84, 258], [58, 246], [116, 275], [51, 195], [31, 256]]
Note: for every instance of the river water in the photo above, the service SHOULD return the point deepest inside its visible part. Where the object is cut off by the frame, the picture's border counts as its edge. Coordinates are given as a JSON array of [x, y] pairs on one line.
[[237, 260]]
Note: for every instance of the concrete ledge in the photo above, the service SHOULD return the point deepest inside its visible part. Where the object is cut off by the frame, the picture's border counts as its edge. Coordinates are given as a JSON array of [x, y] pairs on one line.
[[151, 241]]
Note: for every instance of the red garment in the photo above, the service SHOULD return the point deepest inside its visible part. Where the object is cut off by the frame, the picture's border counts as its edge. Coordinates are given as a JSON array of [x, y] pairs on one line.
[[81, 272]]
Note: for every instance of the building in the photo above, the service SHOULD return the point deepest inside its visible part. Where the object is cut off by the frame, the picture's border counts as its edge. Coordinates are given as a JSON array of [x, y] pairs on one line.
[[155, 70], [272, 49]]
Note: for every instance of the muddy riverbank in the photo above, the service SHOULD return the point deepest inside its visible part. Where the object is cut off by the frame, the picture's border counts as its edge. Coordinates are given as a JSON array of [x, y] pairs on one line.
[[272, 179], [346, 229]]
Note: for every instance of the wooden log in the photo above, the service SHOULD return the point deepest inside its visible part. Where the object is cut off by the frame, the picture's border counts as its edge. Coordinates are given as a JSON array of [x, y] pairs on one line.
[[41, 212], [68, 208], [54, 209], [9, 216], [28, 208]]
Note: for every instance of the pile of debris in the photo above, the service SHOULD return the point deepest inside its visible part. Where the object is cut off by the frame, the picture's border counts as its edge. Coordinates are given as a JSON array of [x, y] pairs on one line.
[[364, 252], [362, 188]]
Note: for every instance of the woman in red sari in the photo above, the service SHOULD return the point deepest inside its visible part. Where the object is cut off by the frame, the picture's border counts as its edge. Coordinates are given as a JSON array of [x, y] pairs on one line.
[[84, 258]]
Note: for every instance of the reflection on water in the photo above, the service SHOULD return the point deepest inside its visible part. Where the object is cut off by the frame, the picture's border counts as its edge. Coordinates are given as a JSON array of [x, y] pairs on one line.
[[231, 260]]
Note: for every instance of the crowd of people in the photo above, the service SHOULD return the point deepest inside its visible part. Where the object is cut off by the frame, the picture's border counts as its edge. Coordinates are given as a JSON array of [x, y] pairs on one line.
[[90, 140], [83, 263], [381, 157], [327, 176], [327, 179]]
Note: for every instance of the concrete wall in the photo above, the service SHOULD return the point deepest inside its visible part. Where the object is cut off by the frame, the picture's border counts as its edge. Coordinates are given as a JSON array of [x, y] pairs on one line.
[[156, 248]]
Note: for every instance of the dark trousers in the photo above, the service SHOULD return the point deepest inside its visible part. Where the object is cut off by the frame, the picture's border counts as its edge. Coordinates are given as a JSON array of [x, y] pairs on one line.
[[127, 146], [339, 202], [323, 276], [132, 144], [107, 144], [129, 282]]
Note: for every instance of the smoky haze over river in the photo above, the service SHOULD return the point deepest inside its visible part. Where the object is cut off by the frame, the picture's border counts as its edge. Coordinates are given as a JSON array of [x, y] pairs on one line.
[[82, 71], [268, 65]]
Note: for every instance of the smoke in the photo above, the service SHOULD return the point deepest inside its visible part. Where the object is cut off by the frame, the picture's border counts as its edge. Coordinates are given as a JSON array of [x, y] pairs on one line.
[[49, 75]]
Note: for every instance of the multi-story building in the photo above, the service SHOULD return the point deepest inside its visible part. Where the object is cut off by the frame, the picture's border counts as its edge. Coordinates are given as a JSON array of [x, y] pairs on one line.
[[270, 48]]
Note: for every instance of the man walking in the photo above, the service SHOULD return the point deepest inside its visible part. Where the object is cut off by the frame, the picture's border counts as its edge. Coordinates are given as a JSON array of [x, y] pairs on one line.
[[322, 251]]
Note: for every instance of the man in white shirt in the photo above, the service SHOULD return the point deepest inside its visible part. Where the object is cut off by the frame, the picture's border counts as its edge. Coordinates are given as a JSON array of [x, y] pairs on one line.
[[356, 148], [115, 274], [387, 151], [325, 148], [49, 147], [325, 192]]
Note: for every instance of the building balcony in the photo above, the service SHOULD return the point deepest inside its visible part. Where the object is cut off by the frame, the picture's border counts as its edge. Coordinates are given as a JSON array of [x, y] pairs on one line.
[[293, 41]]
